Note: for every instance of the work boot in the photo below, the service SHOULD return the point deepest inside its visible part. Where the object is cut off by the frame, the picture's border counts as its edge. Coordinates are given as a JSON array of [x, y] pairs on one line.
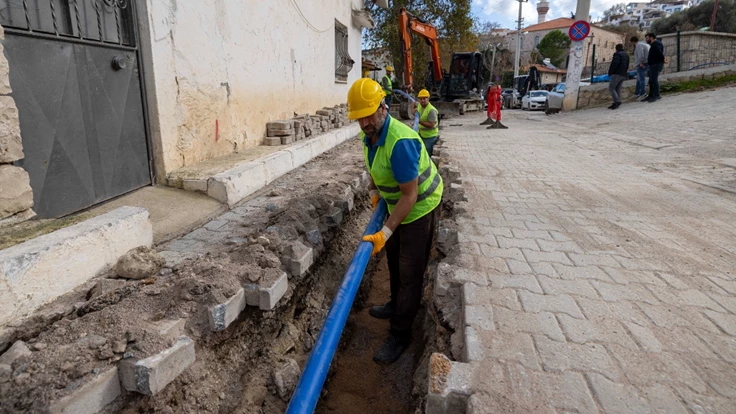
[[382, 312], [392, 349], [488, 121]]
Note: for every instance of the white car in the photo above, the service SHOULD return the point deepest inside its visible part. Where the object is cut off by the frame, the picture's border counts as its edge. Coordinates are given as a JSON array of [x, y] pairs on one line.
[[534, 100], [554, 98]]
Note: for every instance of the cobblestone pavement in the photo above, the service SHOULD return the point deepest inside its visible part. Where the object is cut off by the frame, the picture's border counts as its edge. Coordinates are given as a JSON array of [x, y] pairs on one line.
[[599, 254]]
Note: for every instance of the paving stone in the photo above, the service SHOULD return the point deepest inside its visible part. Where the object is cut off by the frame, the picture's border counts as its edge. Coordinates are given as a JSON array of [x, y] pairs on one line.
[[334, 217], [617, 398], [479, 316], [645, 368], [472, 345], [559, 392], [683, 341], [644, 337], [543, 323], [151, 375], [549, 303], [689, 297], [572, 287], [301, 258], [585, 272], [543, 268], [565, 356], [593, 260], [92, 397], [663, 400], [268, 291], [518, 268], [506, 243], [625, 276], [506, 298], [668, 316], [490, 251], [473, 276], [223, 314], [493, 264], [530, 234], [615, 293], [722, 344], [527, 282], [510, 347], [474, 294], [727, 285], [719, 376], [726, 322], [558, 246], [552, 257], [602, 330]]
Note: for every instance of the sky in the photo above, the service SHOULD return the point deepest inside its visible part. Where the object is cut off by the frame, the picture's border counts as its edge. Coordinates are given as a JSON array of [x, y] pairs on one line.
[[506, 12]]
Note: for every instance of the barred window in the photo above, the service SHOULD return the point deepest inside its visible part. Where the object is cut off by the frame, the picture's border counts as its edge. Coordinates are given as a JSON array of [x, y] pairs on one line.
[[343, 62]]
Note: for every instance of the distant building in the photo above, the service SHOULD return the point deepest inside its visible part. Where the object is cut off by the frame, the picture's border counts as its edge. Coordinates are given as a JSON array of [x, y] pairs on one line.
[[548, 75]]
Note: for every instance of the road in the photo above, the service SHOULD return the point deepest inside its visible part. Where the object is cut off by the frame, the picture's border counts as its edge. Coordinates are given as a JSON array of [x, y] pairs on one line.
[[599, 257]]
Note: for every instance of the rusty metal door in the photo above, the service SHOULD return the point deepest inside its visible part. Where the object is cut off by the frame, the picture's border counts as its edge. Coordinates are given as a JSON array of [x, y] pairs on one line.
[[76, 81]]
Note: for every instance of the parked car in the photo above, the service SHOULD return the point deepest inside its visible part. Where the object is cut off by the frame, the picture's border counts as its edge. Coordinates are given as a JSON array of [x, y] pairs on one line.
[[554, 98], [534, 100]]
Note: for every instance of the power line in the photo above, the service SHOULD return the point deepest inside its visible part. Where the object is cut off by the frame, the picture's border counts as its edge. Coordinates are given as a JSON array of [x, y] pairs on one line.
[[311, 26]]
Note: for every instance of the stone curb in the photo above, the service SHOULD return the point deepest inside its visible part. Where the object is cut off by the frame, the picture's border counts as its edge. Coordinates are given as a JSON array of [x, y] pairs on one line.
[[92, 397], [235, 184], [73, 255], [150, 375], [448, 386]]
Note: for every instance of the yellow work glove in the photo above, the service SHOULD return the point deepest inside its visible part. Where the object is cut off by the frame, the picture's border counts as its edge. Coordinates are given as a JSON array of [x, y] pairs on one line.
[[375, 198], [378, 239]]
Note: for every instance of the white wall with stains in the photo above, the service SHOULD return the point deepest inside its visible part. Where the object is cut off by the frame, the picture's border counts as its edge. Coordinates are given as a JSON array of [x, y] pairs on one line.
[[218, 70]]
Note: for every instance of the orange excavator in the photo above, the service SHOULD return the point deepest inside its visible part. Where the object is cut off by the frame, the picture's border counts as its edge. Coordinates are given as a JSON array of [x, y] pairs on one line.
[[452, 93]]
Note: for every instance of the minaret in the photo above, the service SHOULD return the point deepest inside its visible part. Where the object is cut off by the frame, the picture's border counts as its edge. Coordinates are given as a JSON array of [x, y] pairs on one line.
[[542, 9]]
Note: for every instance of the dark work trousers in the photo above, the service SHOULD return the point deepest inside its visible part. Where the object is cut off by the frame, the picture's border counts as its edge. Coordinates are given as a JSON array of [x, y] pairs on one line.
[[408, 252], [654, 70]]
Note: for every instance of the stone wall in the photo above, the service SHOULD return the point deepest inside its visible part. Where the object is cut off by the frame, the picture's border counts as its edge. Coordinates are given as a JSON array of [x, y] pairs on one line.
[[699, 48], [598, 95], [16, 197]]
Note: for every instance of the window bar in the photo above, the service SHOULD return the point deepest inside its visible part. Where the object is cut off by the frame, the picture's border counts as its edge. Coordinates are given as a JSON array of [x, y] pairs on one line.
[[99, 20], [53, 17], [79, 22], [117, 22], [28, 16]]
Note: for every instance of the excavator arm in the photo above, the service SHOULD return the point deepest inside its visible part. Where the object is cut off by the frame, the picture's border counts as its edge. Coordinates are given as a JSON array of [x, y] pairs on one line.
[[408, 24]]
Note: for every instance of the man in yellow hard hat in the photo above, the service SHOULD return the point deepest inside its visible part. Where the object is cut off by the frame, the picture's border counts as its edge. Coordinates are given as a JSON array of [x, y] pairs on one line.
[[429, 121], [387, 86], [404, 176]]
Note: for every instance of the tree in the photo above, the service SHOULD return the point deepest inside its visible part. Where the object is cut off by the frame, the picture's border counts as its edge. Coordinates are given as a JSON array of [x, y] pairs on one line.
[[698, 17], [554, 46], [626, 31], [452, 19]]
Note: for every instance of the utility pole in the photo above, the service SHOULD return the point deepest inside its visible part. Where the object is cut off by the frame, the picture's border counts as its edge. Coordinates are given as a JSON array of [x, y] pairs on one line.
[[493, 59], [713, 17], [518, 39], [577, 58]]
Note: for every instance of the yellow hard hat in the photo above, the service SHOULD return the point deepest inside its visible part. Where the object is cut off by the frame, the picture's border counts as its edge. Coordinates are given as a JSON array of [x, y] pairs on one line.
[[389, 68], [423, 93], [364, 98]]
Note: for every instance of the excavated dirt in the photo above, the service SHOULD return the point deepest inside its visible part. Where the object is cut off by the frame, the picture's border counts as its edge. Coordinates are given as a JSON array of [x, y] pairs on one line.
[[84, 334]]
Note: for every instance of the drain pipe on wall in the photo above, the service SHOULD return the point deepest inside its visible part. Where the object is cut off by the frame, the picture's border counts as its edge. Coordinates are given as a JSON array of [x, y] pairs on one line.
[[307, 392]]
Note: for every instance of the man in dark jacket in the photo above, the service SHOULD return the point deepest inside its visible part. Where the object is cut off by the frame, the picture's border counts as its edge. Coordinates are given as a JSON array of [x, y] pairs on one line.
[[656, 64], [619, 72]]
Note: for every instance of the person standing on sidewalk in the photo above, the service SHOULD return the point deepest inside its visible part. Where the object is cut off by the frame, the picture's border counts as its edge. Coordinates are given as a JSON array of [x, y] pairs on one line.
[[619, 72], [641, 53], [429, 121], [404, 176], [656, 64]]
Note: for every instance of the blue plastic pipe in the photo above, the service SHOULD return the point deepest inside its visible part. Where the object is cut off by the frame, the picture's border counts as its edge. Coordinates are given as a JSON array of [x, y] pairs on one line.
[[412, 100], [310, 384]]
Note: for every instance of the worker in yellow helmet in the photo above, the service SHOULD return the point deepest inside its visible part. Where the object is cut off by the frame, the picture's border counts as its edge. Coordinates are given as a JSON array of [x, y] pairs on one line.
[[404, 176], [429, 121], [366, 74], [387, 86]]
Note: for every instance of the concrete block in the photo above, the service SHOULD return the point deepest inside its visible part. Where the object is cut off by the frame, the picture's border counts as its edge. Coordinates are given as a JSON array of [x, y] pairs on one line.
[[151, 375], [11, 146], [266, 293], [286, 377], [288, 139], [16, 194], [272, 141], [199, 186], [91, 397], [170, 329], [17, 350], [301, 153], [280, 125], [347, 201], [448, 386], [276, 165], [38, 271], [334, 217], [222, 315], [301, 258], [235, 184]]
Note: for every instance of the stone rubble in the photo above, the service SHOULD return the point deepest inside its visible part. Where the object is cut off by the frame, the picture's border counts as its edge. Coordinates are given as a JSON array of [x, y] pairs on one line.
[[285, 132]]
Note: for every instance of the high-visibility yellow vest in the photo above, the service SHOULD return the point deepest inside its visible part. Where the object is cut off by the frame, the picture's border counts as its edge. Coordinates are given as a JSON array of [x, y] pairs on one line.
[[425, 132], [429, 193], [389, 86]]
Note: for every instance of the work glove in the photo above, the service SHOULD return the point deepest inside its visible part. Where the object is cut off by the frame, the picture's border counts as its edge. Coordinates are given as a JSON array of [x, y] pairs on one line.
[[375, 198], [378, 239]]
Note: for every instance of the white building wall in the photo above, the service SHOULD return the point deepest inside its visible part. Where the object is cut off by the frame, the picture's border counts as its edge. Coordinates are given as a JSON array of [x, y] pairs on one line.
[[219, 70]]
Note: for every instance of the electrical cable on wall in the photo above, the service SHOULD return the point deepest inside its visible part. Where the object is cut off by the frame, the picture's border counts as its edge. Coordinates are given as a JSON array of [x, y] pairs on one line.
[[311, 26]]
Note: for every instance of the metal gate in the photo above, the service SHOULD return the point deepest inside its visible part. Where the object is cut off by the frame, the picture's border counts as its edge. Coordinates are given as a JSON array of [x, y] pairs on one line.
[[75, 79]]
